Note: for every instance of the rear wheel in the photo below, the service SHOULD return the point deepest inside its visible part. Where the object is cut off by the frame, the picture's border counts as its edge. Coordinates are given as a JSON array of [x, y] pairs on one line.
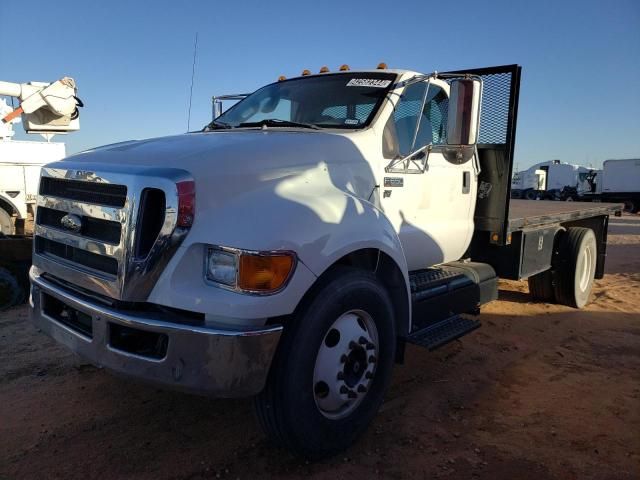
[[6, 226], [332, 366], [10, 291], [630, 206], [541, 287], [576, 267]]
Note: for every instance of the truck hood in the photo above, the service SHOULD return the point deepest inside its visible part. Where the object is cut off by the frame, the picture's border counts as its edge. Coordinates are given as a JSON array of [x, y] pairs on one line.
[[225, 152], [261, 163]]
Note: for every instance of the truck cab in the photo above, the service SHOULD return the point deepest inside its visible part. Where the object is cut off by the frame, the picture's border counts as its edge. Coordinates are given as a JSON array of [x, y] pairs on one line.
[[290, 249]]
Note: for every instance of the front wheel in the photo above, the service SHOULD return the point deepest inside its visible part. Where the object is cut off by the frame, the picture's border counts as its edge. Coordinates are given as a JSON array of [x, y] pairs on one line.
[[332, 367]]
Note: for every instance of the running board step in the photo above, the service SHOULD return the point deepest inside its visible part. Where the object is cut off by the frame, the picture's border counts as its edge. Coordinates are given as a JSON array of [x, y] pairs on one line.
[[443, 332]]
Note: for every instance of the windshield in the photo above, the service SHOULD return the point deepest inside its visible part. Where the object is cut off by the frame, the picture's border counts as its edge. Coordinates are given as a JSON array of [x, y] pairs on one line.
[[345, 100]]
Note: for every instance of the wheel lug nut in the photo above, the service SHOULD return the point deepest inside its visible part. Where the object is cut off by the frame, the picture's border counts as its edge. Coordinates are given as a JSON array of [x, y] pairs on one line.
[[344, 389], [340, 375], [353, 344], [370, 346], [343, 358], [372, 359], [362, 388], [363, 341], [352, 394], [368, 375]]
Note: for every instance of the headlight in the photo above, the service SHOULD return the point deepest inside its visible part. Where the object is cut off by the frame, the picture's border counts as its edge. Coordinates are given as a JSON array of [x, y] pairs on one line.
[[248, 271], [222, 267]]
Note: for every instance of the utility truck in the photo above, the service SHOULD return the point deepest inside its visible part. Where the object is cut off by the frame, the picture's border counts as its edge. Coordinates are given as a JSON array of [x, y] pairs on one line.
[[291, 249], [46, 109]]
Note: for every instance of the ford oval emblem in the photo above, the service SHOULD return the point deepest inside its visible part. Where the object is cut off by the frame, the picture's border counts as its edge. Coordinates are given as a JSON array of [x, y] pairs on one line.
[[71, 222]]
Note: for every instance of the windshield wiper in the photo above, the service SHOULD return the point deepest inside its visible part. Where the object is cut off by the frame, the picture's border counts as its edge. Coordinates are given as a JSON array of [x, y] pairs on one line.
[[276, 122], [216, 125]]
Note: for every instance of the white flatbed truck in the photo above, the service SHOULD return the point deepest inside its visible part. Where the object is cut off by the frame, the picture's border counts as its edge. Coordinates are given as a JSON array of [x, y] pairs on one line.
[[292, 248]]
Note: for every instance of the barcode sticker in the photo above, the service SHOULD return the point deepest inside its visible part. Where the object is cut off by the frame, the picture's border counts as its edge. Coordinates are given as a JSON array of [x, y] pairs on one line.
[[368, 82]]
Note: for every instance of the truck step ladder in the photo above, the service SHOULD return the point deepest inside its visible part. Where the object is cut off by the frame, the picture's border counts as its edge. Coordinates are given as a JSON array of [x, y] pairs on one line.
[[442, 332], [435, 281]]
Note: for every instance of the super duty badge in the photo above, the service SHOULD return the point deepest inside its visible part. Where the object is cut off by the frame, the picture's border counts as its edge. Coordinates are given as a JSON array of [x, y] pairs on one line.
[[393, 182]]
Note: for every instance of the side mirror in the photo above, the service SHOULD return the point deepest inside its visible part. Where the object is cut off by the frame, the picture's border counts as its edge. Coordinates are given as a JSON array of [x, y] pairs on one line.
[[463, 122], [464, 111]]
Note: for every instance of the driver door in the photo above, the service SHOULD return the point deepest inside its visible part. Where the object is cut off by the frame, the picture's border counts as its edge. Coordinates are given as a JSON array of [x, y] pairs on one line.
[[430, 204]]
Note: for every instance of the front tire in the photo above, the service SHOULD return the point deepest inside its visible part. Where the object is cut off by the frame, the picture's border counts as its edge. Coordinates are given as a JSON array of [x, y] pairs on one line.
[[575, 272], [332, 367]]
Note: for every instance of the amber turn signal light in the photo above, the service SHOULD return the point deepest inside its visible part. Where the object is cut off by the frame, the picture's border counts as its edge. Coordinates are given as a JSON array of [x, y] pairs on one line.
[[264, 272]]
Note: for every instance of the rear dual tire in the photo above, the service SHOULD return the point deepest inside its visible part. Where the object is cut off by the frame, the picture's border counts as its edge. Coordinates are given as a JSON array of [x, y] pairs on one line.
[[317, 401], [571, 278]]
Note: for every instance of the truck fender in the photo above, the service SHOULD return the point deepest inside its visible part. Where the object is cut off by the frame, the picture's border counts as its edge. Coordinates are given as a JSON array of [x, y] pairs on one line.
[[319, 221], [9, 206]]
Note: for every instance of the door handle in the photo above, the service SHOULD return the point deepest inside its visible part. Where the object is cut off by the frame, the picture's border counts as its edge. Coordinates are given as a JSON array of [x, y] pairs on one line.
[[466, 182]]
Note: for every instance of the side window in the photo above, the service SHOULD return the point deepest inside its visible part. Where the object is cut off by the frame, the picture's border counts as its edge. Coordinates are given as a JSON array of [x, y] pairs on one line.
[[433, 117]]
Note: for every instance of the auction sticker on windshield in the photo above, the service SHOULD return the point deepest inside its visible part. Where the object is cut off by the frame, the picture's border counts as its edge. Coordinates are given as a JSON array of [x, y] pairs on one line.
[[368, 82]]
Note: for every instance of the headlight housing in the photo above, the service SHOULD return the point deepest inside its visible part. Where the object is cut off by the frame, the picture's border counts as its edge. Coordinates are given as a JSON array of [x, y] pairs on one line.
[[249, 271]]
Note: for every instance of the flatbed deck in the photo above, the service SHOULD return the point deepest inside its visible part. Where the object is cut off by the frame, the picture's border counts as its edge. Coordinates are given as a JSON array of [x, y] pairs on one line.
[[535, 213]]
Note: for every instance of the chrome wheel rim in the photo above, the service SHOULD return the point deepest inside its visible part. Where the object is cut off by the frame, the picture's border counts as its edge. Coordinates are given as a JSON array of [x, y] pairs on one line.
[[346, 364]]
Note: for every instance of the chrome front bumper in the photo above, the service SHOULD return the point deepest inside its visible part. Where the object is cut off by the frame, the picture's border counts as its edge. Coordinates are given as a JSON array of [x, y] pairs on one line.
[[223, 363]]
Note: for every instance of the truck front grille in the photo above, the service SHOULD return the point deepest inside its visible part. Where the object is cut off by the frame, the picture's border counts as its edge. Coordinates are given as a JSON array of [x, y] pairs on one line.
[[108, 232], [90, 192]]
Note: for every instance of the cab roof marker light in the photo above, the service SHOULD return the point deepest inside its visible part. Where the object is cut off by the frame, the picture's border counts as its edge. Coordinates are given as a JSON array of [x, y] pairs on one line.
[[382, 66], [306, 72], [324, 69], [344, 68], [281, 78]]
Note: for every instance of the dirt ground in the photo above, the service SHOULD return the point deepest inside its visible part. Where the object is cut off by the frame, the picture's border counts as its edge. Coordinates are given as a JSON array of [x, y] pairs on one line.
[[540, 391]]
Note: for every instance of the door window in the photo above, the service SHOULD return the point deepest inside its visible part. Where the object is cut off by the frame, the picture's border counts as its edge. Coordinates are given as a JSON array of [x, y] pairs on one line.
[[433, 117]]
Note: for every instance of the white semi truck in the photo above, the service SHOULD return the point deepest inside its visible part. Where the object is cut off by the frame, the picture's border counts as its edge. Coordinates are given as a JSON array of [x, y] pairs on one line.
[[546, 180], [291, 249]]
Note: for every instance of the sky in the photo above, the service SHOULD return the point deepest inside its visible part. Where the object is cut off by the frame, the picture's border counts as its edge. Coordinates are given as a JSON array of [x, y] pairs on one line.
[[132, 60]]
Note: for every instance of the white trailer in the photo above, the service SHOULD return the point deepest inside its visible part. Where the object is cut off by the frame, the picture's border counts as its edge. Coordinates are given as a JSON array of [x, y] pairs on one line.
[[618, 181], [621, 183]]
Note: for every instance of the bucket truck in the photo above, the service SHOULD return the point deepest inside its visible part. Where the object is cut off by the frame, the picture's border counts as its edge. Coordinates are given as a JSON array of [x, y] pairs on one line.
[[47, 109]]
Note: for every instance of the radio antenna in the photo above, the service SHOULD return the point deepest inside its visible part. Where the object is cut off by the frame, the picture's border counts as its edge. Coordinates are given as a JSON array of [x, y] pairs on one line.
[[193, 72]]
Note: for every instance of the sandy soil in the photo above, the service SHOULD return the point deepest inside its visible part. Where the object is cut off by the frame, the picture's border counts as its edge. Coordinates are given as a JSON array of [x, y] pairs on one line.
[[540, 391]]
